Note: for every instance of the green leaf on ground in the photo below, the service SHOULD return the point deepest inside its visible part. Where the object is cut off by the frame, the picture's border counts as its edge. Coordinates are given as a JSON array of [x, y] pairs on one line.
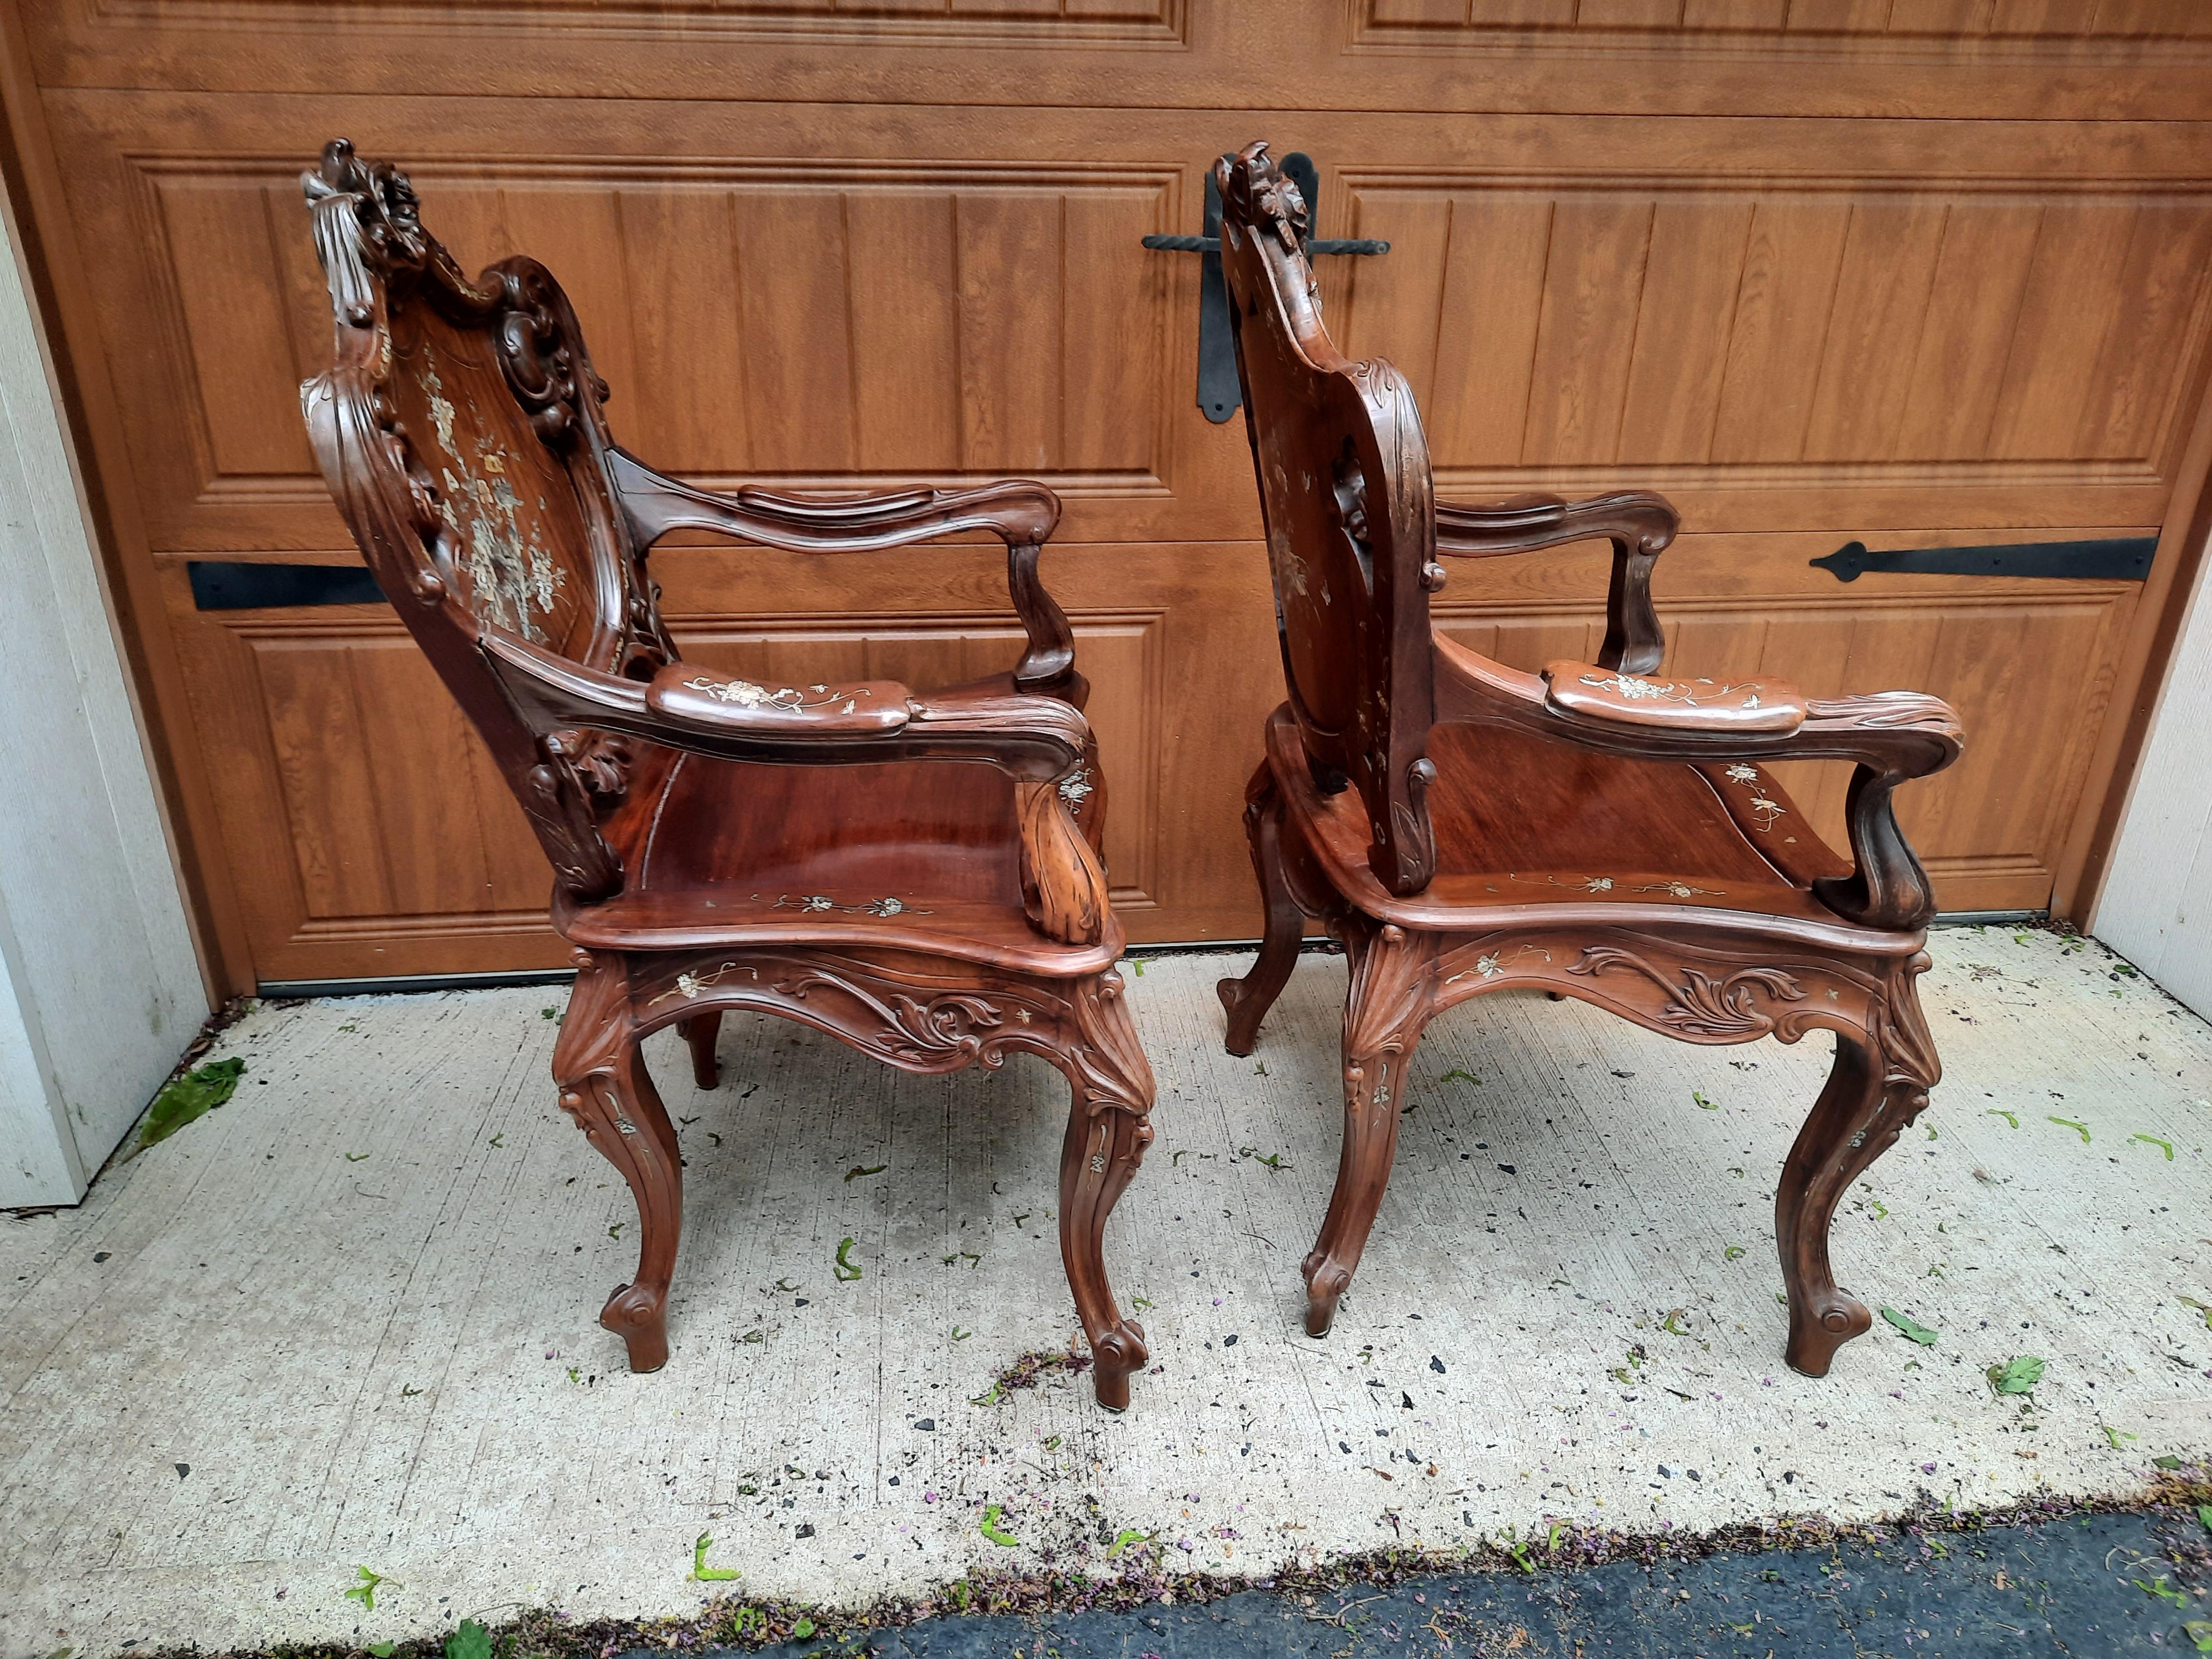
[[2081, 1129], [382, 1649], [2114, 1436], [842, 1267], [701, 1572], [193, 1096], [2018, 1374], [2166, 1146], [2203, 1308], [803, 1627], [1126, 1537], [1733, 1253], [2204, 1515], [2166, 1460], [1274, 1161], [365, 1591], [1707, 1105], [1909, 1329], [959, 1335], [1468, 1077], [856, 1171], [356, 1157], [1880, 1209], [1137, 966], [993, 1531], [469, 1641], [1999, 1111]]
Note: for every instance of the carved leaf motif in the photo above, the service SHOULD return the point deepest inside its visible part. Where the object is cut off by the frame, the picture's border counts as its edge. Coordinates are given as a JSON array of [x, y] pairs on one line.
[[1703, 1005]]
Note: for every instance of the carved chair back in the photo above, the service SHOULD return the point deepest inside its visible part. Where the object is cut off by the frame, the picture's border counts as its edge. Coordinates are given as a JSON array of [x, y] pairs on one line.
[[459, 431], [1346, 496]]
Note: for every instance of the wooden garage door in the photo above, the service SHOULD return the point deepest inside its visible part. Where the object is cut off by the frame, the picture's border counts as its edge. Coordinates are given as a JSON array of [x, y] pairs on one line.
[[1913, 272]]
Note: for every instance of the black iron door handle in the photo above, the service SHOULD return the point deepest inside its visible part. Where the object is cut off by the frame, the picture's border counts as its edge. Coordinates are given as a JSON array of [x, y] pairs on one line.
[[1218, 394]]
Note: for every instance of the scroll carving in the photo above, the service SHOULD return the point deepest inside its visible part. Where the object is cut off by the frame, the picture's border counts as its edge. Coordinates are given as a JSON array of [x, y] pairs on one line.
[[1701, 1004]]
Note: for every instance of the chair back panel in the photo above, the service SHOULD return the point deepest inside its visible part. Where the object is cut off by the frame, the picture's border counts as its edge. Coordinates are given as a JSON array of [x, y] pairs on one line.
[[459, 430], [515, 538], [1346, 496]]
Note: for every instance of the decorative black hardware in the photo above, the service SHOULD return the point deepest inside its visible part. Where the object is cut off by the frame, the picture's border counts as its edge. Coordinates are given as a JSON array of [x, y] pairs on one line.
[[242, 585], [2125, 559], [1218, 394]]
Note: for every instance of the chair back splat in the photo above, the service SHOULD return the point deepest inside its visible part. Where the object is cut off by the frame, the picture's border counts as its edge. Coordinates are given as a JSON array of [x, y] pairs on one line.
[[1351, 537]]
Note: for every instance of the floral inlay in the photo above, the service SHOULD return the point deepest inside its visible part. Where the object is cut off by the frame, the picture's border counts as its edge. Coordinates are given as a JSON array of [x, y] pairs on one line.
[[1075, 785], [1631, 688], [1679, 888], [511, 571], [743, 694], [1765, 812], [688, 986], [1491, 963], [883, 908], [1579, 883]]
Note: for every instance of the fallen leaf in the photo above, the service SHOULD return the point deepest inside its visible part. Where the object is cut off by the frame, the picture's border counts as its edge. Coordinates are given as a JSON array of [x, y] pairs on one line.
[[471, 1641], [991, 1528], [187, 1098], [365, 1591], [1909, 1329], [856, 1171], [2018, 1374], [701, 1572], [2081, 1129], [842, 1267]]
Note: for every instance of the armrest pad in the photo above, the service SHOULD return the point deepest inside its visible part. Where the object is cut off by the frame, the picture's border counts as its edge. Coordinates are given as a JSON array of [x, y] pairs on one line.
[[686, 695], [1588, 692]]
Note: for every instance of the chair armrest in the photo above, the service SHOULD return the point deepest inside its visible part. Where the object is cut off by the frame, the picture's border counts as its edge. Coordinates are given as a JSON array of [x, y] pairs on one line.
[[1020, 512], [1892, 736], [1043, 742], [1703, 706], [1639, 525]]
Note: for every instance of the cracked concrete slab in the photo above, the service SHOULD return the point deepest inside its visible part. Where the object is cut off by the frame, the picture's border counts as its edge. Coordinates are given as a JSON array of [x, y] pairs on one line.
[[350, 1319]]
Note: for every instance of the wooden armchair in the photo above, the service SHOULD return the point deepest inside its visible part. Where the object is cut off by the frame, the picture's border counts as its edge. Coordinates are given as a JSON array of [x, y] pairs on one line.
[[916, 872], [1596, 831]]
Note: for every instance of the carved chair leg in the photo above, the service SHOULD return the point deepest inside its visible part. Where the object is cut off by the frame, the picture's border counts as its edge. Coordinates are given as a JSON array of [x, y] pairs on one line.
[[1108, 1127], [1391, 997], [600, 1068], [699, 1032], [1878, 1086], [1248, 998]]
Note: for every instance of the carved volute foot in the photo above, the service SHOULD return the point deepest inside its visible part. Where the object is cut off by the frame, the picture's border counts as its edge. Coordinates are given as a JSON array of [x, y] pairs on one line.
[[606, 1090], [1326, 1284], [1248, 998], [1117, 1356], [1878, 1086], [1817, 1329], [1108, 1127], [638, 1314], [1392, 994]]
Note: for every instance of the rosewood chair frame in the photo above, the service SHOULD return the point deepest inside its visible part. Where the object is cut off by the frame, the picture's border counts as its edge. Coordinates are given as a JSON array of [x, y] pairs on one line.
[[543, 622], [1339, 820]]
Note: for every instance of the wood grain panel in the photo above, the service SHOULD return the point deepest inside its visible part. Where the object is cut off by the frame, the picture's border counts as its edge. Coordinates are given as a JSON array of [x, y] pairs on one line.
[[1837, 336], [895, 327], [1958, 21]]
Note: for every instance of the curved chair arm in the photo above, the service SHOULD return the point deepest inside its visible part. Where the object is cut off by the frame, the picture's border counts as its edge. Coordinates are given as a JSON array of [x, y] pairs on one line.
[[1042, 742], [1640, 526], [1635, 700], [1021, 513], [1892, 736]]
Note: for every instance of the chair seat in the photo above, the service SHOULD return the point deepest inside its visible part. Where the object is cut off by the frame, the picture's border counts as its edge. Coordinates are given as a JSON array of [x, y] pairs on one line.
[[913, 856], [1522, 821]]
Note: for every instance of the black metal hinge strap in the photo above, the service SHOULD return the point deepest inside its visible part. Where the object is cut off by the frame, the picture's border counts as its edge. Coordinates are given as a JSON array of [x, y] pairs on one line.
[[2124, 558], [244, 585], [1218, 394]]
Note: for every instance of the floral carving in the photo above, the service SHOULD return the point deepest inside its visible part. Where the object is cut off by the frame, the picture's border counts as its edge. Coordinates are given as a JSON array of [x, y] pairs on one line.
[[1702, 1006], [598, 761]]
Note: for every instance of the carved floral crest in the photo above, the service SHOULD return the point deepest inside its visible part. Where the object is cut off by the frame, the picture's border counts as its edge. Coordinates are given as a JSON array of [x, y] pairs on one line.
[[1266, 199]]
